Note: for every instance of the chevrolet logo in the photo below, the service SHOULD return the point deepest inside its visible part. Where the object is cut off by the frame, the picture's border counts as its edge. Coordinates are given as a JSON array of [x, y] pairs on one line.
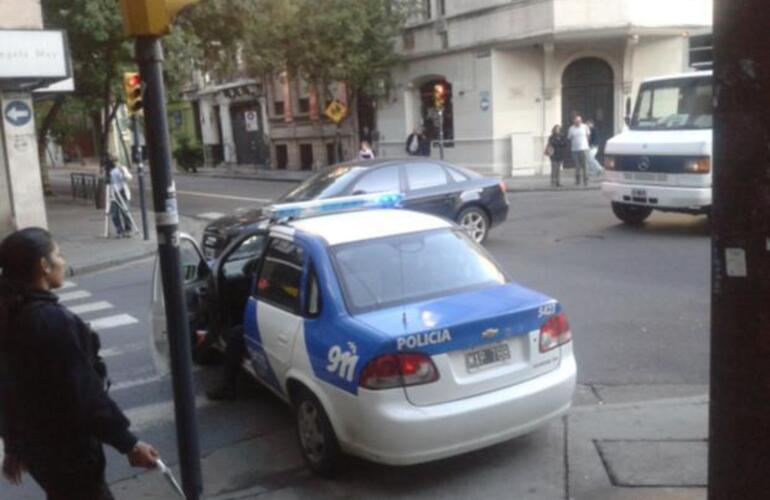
[[489, 333]]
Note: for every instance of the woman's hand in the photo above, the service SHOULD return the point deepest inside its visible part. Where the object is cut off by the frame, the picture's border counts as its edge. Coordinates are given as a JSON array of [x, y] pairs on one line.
[[143, 455], [13, 469]]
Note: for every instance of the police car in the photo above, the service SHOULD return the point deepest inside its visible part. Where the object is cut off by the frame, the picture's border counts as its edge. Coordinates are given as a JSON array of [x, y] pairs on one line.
[[392, 334]]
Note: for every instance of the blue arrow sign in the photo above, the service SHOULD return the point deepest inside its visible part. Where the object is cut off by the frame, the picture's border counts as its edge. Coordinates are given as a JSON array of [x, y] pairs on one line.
[[18, 113]]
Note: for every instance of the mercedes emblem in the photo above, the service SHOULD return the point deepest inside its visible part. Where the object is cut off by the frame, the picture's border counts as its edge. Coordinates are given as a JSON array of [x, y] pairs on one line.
[[644, 163]]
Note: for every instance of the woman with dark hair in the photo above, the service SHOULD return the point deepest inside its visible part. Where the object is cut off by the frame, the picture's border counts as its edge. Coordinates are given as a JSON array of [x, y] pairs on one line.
[[555, 150], [54, 404]]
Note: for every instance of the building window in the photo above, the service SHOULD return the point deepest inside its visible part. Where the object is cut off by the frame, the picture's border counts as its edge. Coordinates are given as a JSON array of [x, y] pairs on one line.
[[331, 155], [444, 40], [702, 52], [427, 9], [281, 156], [408, 40], [303, 96], [430, 117], [306, 156], [278, 108], [442, 8]]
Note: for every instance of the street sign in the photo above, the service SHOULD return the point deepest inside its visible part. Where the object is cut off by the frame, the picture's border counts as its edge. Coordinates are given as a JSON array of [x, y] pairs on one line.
[[252, 125], [18, 113], [34, 54], [336, 111]]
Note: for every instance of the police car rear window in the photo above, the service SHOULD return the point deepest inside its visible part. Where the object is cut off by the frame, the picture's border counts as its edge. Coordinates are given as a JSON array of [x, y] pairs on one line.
[[409, 268]]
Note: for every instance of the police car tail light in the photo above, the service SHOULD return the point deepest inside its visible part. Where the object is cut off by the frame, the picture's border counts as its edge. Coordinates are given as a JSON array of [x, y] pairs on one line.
[[555, 332], [398, 370], [390, 199]]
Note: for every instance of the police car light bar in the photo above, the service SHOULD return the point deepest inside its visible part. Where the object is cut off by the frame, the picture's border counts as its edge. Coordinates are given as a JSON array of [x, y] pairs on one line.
[[390, 199]]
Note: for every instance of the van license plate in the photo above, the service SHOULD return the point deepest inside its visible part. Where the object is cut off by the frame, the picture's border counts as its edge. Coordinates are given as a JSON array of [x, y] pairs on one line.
[[638, 193], [487, 355]]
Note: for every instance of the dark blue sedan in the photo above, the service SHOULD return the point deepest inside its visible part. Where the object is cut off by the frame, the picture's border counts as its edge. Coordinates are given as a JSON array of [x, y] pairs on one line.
[[475, 202]]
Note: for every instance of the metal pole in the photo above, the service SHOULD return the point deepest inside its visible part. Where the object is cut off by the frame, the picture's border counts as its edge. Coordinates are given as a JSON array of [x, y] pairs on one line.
[[149, 57], [739, 417], [441, 133], [140, 174]]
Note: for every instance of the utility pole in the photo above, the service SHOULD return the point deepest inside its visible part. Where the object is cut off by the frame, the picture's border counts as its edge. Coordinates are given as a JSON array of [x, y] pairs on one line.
[[148, 20], [739, 452]]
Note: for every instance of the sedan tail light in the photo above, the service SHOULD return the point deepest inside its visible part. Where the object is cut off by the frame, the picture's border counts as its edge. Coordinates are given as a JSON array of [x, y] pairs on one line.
[[555, 332], [398, 370]]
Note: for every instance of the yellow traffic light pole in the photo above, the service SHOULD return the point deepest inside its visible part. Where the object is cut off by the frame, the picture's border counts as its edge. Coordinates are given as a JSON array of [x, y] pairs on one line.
[[132, 87], [148, 20]]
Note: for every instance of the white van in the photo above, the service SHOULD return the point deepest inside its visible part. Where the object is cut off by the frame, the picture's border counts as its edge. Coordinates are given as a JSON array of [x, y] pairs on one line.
[[663, 160]]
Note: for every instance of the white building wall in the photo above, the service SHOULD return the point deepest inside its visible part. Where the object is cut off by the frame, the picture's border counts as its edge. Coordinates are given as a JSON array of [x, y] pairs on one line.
[[582, 14], [657, 57]]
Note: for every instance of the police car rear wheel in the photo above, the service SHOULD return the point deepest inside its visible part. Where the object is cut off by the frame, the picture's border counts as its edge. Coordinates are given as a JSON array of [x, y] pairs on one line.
[[476, 222], [317, 440]]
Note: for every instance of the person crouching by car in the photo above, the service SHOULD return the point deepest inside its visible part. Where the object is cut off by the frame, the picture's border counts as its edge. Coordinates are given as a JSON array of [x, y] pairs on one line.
[[55, 409]]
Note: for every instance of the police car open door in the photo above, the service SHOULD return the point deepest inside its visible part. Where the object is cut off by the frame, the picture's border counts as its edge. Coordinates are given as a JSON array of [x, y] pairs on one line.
[[195, 272]]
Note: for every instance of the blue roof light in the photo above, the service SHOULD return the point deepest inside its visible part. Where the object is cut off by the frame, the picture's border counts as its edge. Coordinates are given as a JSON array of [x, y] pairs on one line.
[[390, 199]]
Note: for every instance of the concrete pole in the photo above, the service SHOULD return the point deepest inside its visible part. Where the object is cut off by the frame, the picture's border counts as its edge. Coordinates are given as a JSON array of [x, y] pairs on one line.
[[739, 453]]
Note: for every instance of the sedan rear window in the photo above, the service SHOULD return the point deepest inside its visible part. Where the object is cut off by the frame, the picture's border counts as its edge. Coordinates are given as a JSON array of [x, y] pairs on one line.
[[412, 267]]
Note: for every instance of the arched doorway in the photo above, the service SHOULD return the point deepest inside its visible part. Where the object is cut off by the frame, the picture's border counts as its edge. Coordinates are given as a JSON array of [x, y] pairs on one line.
[[588, 90]]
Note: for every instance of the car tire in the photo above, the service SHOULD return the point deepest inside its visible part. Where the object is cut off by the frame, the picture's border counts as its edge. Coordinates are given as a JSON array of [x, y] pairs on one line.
[[475, 221], [633, 215], [317, 440]]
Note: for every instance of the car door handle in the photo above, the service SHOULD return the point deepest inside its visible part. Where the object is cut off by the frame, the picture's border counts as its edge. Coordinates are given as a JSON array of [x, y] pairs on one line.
[[283, 339]]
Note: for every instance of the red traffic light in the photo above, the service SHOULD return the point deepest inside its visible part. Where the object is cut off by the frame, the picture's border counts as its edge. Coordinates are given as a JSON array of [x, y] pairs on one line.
[[134, 80]]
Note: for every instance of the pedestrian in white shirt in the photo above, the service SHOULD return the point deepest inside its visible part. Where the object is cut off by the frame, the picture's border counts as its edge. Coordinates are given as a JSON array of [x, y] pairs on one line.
[[119, 176], [578, 136]]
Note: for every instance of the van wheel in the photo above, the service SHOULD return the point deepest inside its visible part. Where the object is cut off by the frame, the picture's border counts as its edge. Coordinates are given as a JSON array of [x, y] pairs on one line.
[[633, 215], [317, 440], [475, 222]]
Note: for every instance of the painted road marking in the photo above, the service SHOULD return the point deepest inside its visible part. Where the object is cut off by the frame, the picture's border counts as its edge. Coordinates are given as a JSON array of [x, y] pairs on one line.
[[211, 215], [68, 284], [223, 196], [113, 322], [91, 307], [112, 352], [82, 294]]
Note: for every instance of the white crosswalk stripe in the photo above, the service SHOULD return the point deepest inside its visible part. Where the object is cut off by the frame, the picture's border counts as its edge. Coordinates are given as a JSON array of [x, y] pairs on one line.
[[113, 352], [70, 296], [91, 307], [68, 284], [210, 215], [113, 322]]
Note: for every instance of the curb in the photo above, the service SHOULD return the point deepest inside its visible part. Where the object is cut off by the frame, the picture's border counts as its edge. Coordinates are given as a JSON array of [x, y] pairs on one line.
[[101, 266]]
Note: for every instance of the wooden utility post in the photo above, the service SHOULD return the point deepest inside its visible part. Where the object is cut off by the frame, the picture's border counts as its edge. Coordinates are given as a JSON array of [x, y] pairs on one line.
[[739, 458]]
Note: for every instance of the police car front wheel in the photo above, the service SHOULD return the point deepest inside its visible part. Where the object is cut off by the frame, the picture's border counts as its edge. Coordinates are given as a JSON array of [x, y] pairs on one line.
[[317, 440]]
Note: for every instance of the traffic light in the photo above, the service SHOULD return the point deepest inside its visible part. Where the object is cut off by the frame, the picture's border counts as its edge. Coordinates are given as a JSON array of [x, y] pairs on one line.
[[132, 86], [151, 17], [439, 95]]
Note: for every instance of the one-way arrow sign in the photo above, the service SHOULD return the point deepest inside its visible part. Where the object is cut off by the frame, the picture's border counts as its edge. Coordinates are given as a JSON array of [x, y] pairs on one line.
[[18, 113]]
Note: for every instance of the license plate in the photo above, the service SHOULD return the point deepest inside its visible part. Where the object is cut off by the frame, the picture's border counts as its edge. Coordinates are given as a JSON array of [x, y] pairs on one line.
[[487, 355], [639, 193]]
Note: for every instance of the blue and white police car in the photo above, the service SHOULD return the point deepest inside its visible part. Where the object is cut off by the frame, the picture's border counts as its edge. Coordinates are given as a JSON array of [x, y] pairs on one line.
[[392, 334]]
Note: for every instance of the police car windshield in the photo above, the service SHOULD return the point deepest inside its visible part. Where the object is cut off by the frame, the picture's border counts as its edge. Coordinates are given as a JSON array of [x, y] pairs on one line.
[[409, 268], [325, 184], [681, 104]]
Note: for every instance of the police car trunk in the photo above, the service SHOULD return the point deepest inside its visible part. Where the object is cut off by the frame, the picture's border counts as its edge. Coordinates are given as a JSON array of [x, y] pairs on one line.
[[456, 325]]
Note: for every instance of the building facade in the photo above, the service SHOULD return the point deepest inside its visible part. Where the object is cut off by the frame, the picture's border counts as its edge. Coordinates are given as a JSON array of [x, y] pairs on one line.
[[274, 122], [515, 68]]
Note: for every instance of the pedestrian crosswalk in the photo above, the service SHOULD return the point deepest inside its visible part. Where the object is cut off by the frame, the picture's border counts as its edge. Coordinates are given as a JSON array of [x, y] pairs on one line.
[[73, 297]]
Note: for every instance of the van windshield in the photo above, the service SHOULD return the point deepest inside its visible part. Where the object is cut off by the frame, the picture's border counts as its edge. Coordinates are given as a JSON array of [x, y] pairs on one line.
[[679, 104]]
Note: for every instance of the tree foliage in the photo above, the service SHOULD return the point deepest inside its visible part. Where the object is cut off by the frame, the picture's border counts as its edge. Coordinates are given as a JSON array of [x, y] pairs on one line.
[[321, 40]]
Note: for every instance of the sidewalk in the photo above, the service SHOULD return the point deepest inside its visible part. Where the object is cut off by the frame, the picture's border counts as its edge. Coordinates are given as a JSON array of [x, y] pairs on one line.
[[79, 228], [250, 172], [617, 443]]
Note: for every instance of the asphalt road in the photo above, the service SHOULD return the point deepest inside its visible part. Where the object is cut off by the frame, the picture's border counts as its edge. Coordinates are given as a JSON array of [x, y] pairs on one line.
[[637, 299]]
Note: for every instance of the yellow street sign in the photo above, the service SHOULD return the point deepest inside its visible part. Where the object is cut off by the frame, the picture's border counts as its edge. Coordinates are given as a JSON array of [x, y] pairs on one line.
[[336, 111]]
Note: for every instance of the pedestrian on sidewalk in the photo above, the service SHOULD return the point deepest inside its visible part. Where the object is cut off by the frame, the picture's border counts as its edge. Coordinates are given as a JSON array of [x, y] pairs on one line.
[[418, 144], [120, 197], [555, 150], [595, 168], [365, 151], [54, 400], [578, 136]]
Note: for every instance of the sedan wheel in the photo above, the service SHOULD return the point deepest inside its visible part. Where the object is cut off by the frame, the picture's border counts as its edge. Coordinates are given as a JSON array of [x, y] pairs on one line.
[[316, 437], [475, 222]]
